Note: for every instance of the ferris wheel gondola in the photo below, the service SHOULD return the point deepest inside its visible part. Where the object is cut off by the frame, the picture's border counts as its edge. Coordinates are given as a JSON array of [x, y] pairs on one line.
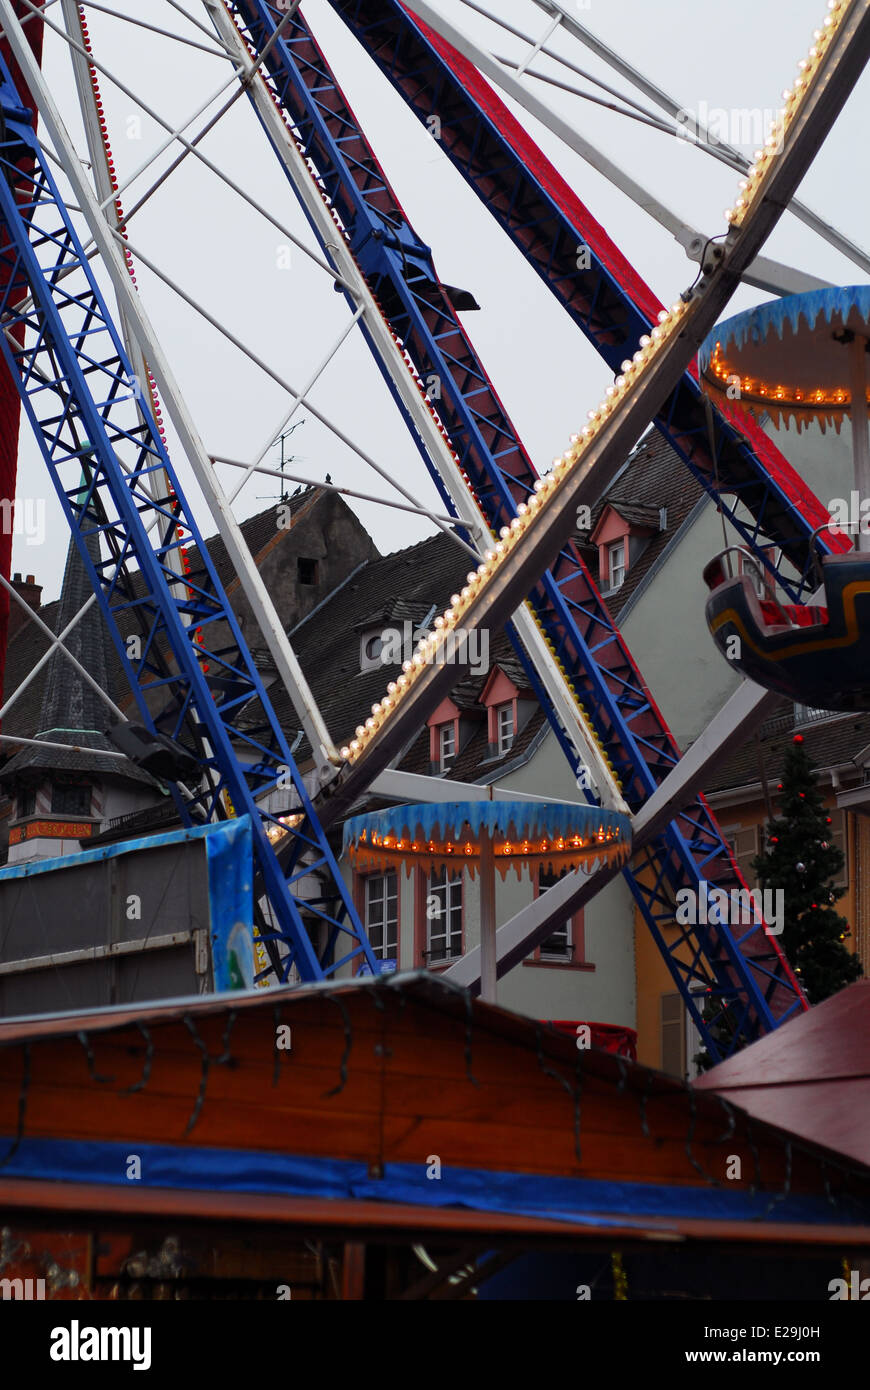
[[802, 359]]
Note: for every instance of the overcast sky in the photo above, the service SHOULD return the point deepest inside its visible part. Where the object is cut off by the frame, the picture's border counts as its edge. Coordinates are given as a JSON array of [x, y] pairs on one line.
[[227, 256]]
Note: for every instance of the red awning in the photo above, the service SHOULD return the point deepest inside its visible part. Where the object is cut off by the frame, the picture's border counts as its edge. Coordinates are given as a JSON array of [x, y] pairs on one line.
[[610, 1037]]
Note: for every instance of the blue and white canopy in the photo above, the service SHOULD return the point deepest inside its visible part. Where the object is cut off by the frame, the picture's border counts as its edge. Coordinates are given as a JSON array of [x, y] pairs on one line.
[[789, 358], [549, 835]]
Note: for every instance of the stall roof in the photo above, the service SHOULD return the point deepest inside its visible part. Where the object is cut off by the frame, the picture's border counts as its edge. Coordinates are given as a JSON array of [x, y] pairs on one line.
[[377, 1077], [812, 1076]]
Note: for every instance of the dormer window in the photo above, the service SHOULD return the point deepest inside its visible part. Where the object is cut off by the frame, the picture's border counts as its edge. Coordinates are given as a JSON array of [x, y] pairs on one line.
[[622, 533], [509, 705], [616, 563], [504, 716], [446, 746]]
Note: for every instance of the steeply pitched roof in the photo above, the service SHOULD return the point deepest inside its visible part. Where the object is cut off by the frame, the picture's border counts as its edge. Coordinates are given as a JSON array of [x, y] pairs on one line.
[[829, 743], [389, 590], [71, 712], [28, 644]]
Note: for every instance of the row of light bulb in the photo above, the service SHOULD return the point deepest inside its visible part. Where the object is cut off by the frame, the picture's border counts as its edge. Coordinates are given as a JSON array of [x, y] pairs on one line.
[[792, 97], [649, 345], [428, 647]]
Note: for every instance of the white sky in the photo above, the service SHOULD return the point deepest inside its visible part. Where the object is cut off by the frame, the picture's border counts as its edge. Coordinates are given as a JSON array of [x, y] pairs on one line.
[[226, 255]]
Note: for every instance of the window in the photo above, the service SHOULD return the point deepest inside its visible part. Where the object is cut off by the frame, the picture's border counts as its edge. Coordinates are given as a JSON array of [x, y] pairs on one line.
[[558, 946], [446, 746], [382, 915], [306, 570], [504, 727], [443, 917], [70, 801], [616, 563], [26, 803]]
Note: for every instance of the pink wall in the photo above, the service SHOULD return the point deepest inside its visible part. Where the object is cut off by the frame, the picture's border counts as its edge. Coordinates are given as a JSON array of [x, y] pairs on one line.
[[612, 527], [446, 713]]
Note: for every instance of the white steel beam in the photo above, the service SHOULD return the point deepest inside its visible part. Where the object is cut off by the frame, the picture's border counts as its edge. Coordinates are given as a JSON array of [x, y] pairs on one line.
[[106, 193], [768, 275], [55, 642], [532, 924], [333, 487], [287, 666], [155, 29], [188, 145], [265, 367], [734, 723], [64, 747], [408, 389], [666, 103], [416, 786]]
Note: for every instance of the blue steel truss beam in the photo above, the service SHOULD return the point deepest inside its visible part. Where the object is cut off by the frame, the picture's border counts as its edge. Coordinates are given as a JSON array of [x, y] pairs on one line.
[[748, 977], [192, 675]]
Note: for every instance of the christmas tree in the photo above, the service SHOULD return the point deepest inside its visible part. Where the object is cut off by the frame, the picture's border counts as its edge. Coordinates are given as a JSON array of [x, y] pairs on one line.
[[802, 860]]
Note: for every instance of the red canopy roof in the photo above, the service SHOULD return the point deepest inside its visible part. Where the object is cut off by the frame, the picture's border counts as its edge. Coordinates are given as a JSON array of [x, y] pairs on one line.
[[811, 1076]]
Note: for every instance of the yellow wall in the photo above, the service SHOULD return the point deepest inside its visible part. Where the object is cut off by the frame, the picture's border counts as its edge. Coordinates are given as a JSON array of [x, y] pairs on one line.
[[654, 978]]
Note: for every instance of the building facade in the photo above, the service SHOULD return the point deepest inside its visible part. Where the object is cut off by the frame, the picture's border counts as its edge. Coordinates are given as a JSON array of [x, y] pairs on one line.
[[353, 616]]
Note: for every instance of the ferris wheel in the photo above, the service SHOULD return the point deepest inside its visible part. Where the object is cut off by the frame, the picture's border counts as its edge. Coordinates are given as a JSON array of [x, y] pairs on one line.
[[95, 376]]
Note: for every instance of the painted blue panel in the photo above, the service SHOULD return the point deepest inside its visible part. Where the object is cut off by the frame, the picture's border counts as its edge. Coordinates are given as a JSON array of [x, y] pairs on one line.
[[230, 857]]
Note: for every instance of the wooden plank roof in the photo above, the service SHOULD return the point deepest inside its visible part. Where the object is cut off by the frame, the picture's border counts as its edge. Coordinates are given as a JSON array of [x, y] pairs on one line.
[[382, 1078]]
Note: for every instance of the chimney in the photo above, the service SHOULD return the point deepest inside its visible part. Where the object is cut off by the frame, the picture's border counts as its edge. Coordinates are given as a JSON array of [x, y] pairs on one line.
[[31, 592]]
